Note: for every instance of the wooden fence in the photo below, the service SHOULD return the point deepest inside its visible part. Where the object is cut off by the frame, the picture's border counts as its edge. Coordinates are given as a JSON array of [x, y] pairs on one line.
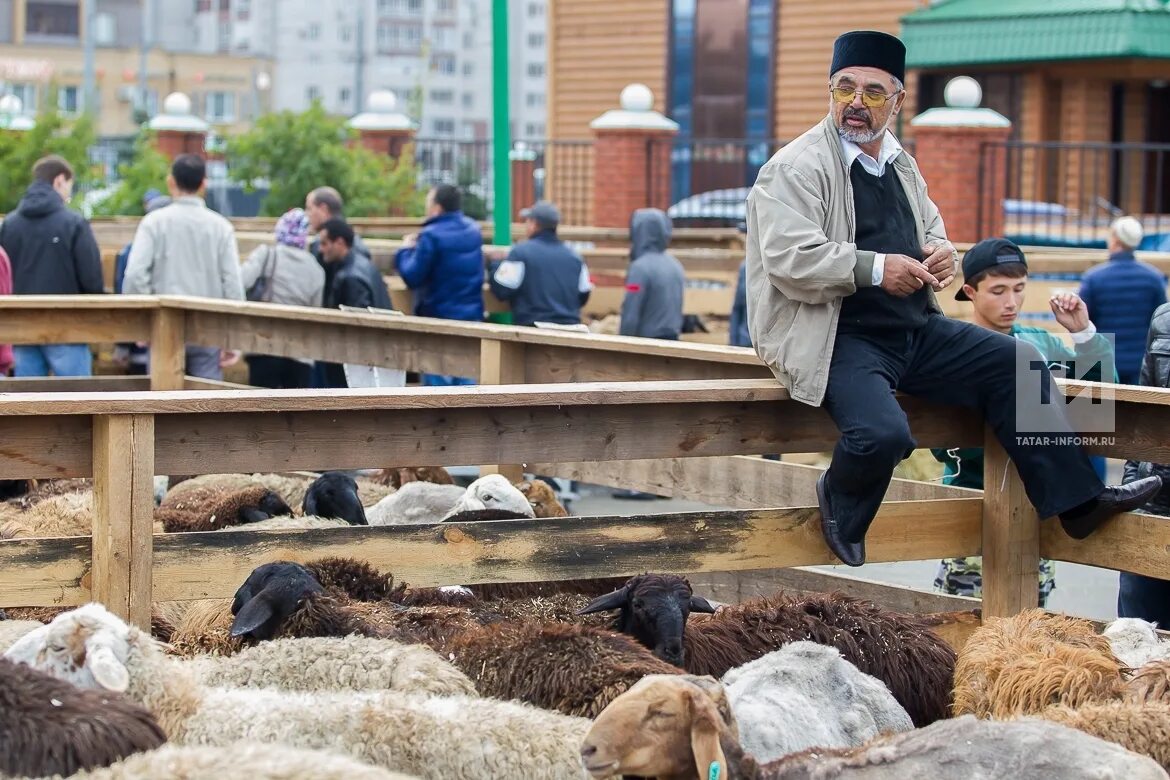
[[674, 418]]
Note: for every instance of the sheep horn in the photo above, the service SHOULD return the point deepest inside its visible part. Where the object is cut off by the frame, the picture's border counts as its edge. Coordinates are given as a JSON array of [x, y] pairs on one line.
[[615, 600]]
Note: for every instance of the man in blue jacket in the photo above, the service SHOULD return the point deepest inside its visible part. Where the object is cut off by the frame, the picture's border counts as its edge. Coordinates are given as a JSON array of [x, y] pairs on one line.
[[1121, 296], [443, 265]]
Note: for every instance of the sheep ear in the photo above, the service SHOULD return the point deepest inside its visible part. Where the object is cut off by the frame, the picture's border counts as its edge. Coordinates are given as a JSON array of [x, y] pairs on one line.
[[309, 504], [251, 616], [107, 670], [710, 763], [253, 514], [700, 604], [615, 600], [355, 513]]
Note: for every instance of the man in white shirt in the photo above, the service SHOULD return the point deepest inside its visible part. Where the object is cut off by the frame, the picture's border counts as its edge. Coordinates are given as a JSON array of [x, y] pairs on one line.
[[187, 249], [845, 254]]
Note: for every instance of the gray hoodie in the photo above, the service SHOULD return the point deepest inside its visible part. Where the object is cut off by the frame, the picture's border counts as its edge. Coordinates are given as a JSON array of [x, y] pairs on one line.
[[653, 304]]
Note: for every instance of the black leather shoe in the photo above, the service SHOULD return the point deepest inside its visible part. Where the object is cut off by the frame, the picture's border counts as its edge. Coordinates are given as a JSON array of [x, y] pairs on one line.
[[851, 554], [1113, 501]]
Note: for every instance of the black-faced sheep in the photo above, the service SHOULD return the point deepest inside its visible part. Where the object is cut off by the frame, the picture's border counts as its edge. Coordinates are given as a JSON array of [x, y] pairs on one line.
[[335, 494], [247, 505], [52, 727], [680, 727], [900, 650]]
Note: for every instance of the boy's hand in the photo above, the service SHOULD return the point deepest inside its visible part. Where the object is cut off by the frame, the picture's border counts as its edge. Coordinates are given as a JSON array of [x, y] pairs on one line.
[[940, 261], [1070, 311]]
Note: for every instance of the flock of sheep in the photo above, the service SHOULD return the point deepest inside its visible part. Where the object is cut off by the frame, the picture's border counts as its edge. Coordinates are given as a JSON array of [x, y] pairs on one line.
[[330, 668]]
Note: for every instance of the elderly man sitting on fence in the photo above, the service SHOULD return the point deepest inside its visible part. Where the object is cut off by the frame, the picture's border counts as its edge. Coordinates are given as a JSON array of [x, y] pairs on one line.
[[845, 252]]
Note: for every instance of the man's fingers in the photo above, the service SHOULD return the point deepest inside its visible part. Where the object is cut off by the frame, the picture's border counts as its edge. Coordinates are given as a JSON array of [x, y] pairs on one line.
[[921, 273]]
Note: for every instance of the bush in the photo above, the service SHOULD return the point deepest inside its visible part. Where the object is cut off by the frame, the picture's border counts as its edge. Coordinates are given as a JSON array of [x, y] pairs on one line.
[[148, 170], [19, 150]]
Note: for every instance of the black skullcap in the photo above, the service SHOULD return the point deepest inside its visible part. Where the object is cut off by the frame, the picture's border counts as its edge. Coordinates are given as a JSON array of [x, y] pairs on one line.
[[870, 49]]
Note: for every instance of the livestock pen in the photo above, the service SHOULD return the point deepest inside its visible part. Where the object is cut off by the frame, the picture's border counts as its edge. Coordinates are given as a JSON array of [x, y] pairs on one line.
[[681, 419]]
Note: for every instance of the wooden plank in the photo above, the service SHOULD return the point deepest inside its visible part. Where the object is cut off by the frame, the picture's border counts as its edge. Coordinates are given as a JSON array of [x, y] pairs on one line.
[[212, 565], [1130, 542], [549, 363], [45, 572], [44, 447], [123, 515], [1011, 537], [89, 384], [168, 350], [29, 325], [580, 426], [198, 383], [502, 363], [738, 481]]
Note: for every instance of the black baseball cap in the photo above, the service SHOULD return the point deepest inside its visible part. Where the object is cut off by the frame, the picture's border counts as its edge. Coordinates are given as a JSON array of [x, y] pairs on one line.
[[988, 253]]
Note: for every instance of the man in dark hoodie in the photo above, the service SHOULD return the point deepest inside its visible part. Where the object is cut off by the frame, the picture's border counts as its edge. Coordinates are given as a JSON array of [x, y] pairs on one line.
[[53, 252], [653, 304]]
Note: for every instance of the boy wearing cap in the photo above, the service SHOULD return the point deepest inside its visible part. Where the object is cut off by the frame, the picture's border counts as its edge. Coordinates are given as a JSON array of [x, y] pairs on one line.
[[542, 279], [995, 275]]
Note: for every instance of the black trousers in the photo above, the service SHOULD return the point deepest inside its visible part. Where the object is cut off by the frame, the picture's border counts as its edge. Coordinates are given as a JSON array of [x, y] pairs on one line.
[[278, 373], [946, 361], [1144, 597]]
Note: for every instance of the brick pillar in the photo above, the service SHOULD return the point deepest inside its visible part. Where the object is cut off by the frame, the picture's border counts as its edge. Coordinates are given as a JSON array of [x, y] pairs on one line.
[[381, 128], [959, 151], [172, 143], [523, 178], [631, 158], [390, 142], [177, 130]]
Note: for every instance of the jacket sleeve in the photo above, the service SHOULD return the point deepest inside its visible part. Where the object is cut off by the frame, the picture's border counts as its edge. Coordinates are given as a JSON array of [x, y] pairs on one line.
[[507, 276], [414, 265], [140, 266], [934, 230], [584, 284], [87, 261], [785, 211], [635, 297], [251, 269], [354, 292], [229, 267]]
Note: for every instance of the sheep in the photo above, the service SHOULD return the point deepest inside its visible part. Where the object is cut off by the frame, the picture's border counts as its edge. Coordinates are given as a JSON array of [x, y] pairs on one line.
[[417, 503], [291, 488], [542, 498], [328, 663], [681, 727], [493, 491], [1150, 682], [900, 650], [398, 476], [435, 737], [247, 505], [1135, 642], [335, 495], [289, 523], [1023, 664], [49, 726], [15, 488], [67, 514], [256, 761], [1143, 728], [806, 695]]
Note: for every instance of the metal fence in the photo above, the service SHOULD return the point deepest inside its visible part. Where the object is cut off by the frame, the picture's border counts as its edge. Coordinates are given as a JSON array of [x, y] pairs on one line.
[[709, 178], [1066, 194]]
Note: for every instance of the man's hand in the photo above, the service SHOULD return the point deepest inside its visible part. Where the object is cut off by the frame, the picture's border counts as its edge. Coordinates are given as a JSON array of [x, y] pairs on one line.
[[410, 240], [229, 357], [904, 276], [940, 261], [1070, 311]]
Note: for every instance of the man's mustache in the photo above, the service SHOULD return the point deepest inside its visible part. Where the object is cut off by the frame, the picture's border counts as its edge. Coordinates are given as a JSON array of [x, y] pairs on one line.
[[858, 113]]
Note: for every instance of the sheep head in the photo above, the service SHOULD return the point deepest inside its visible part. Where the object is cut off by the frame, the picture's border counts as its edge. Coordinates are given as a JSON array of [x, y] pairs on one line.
[[542, 498], [494, 492], [271, 593], [672, 726], [654, 610], [335, 495], [269, 505], [87, 646]]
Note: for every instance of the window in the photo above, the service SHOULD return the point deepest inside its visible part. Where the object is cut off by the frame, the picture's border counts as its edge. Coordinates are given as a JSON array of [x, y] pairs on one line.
[[343, 96], [536, 69], [345, 33], [314, 31], [414, 7], [387, 36], [534, 99], [532, 130], [442, 97], [468, 68], [202, 6], [313, 93], [536, 9], [53, 20], [243, 9], [386, 7], [412, 37], [536, 40], [28, 96], [444, 126], [443, 38], [220, 107], [469, 40], [69, 100], [468, 99], [443, 63], [445, 6]]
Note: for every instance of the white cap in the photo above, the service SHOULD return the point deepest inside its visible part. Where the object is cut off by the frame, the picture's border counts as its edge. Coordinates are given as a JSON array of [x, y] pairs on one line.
[[1128, 231]]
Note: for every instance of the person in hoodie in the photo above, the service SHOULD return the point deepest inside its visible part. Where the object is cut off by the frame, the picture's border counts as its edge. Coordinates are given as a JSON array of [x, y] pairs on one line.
[[653, 303], [53, 252], [443, 264]]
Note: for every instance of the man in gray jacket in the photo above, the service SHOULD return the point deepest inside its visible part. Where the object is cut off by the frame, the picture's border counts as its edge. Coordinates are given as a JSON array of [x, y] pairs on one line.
[[845, 254], [653, 303], [187, 249]]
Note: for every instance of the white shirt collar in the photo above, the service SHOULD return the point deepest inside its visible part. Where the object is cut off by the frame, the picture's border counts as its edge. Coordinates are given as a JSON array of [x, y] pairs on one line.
[[890, 149]]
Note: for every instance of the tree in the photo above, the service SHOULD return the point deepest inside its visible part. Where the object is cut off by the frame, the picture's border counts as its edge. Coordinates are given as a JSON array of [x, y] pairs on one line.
[[19, 150], [147, 170], [295, 153]]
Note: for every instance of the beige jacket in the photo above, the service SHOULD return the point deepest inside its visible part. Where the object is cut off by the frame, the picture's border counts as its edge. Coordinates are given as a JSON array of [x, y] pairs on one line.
[[801, 259]]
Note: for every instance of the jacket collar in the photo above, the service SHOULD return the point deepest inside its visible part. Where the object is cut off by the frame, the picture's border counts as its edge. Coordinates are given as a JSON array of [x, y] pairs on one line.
[[833, 138], [445, 216], [190, 200], [1122, 256]]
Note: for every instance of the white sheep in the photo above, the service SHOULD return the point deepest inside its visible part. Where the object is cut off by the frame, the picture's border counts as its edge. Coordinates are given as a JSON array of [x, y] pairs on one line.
[[449, 737], [12, 631], [417, 503], [1135, 642], [353, 663], [806, 695], [289, 523]]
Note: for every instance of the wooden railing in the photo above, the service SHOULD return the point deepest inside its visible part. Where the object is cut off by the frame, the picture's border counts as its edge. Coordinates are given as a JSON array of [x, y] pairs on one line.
[[673, 418]]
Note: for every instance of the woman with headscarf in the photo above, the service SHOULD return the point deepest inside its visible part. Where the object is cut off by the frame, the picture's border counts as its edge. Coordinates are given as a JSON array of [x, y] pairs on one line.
[[286, 273]]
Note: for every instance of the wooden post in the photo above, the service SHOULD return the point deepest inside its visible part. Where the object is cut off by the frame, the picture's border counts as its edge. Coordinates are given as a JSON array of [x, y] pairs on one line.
[[502, 363], [168, 349], [123, 515], [1011, 537]]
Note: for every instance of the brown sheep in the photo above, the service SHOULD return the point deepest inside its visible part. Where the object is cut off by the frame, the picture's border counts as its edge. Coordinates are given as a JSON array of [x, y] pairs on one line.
[[542, 498], [1149, 683], [207, 510], [1143, 728], [399, 476]]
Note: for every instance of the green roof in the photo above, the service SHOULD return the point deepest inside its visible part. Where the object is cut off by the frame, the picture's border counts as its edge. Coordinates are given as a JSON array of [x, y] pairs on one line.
[[985, 32]]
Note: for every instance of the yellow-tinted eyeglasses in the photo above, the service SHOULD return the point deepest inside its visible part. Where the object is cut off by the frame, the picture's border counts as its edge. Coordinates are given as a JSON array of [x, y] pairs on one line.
[[869, 99]]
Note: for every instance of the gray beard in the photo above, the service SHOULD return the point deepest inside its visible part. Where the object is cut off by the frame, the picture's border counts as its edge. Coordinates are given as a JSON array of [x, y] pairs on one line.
[[860, 137]]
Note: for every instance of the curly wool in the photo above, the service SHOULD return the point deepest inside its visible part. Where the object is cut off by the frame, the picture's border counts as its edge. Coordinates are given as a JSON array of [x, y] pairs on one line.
[[1143, 728], [292, 523], [398, 476], [66, 514], [1150, 683], [207, 510]]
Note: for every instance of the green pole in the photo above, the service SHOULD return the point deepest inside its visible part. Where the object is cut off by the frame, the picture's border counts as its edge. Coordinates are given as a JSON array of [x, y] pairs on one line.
[[501, 130]]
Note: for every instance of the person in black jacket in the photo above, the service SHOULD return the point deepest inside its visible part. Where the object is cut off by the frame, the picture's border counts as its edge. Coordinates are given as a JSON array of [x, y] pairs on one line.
[[53, 252], [1140, 596], [543, 279], [352, 281]]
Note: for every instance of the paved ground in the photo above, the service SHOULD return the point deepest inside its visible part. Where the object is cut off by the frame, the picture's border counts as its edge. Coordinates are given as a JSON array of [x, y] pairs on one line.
[[1080, 590]]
